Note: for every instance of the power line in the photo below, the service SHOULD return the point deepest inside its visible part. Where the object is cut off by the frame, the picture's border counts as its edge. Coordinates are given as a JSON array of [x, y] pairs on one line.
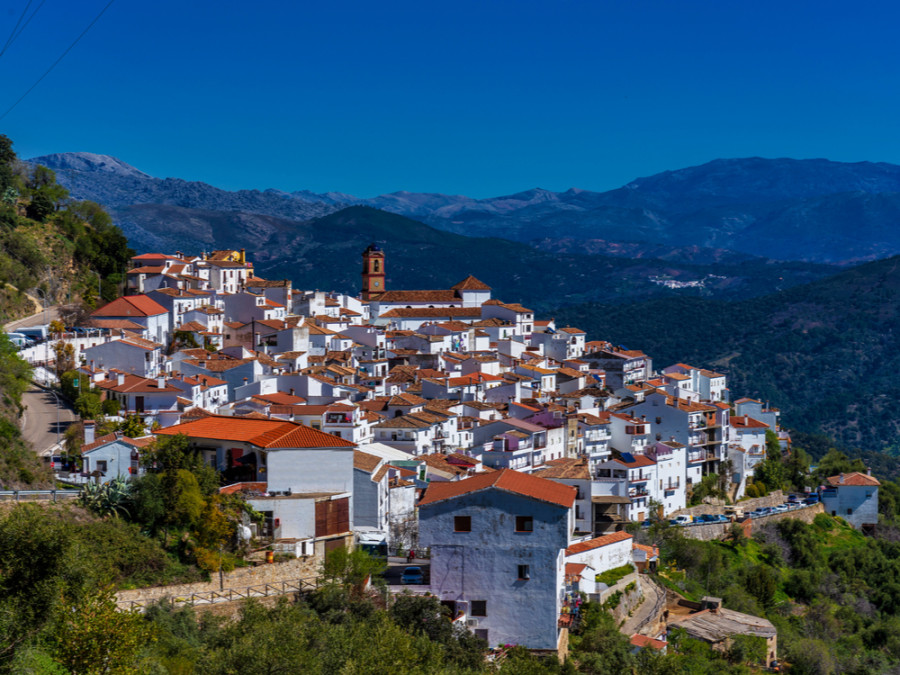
[[15, 28], [24, 26], [62, 56]]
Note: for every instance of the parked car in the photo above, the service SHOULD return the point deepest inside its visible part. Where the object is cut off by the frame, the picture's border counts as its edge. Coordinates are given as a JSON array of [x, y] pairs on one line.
[[812, 499], [721, 519], [781, 508], [682, 520], [793, 499], [708, 518], [412, 575]]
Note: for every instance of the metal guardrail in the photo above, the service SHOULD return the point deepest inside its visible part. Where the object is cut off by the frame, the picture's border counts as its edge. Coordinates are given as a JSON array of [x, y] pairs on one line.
[[657, 608], [227, 594], [38, 495]]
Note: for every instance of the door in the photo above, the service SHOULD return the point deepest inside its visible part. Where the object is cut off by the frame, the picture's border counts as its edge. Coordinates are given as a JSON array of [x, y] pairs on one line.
[[139, 403]]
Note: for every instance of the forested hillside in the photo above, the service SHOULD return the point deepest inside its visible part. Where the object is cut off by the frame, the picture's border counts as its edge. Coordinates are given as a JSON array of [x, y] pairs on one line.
[[52, 251], [825, 353]]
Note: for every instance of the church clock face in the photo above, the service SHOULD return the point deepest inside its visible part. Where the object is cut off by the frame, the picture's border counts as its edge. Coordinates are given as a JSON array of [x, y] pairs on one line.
[[374, 284]]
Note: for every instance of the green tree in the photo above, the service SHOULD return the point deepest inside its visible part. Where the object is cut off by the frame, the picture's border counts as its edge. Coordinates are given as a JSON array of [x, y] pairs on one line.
[[88, 405], [350, 569], [97, 637]]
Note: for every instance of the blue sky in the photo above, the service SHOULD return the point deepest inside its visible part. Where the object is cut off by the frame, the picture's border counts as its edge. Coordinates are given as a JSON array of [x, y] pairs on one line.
[[479, 98]]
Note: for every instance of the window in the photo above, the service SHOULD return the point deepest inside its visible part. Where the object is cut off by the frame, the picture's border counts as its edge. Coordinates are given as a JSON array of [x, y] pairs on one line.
[[479, 608], [101, 465], [462, 523], [524, 524], [482, 633], [849, 512], [524, 572]]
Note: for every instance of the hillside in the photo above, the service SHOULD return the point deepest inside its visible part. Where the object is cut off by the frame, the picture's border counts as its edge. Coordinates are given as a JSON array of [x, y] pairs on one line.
[[54, 249], [325, 253], [825, 353], [786, 209]]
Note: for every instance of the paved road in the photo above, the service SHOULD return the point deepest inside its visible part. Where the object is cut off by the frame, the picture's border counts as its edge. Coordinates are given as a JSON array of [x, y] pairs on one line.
[[39, 424], [34, 320], [653, 595]]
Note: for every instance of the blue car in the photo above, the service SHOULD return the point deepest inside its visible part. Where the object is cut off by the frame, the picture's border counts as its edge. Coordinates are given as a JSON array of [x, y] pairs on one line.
[[412, 575]]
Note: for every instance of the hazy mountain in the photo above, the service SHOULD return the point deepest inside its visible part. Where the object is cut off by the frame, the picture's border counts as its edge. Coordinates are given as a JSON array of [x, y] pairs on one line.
[[826, 353], [325, 253], [786, 209]]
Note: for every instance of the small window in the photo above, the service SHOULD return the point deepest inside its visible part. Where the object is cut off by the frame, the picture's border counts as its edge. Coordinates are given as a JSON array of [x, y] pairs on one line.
[[462, 523], [101, 465], [479, 608], [482, 633], [524, 524], [849, 512], [524, 572]]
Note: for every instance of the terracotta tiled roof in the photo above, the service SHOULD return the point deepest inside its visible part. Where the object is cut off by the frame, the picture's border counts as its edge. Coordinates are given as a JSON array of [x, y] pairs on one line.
[[639, 640], [746, 422], [419, 296], [364, 461], [470, 283], [566, 468], [109, 438], [431, 312], [854, 478], [639, 461], [597, 542], [271, 434], [114, 324], [506, 480], [130, 305]]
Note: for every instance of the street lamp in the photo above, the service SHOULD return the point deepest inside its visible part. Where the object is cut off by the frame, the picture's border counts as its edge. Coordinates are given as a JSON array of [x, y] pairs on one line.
[[46, 342]]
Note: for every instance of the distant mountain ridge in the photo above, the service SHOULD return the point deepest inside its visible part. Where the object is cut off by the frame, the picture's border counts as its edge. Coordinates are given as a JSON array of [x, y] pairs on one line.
[[787, 209]]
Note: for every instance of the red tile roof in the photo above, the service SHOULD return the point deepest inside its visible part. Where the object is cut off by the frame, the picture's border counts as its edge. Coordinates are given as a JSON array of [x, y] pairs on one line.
[[643, 641], [506, 480], [272, 434], [597, 542], [470, 283], [854, 478], [131, 305], [745, 422]]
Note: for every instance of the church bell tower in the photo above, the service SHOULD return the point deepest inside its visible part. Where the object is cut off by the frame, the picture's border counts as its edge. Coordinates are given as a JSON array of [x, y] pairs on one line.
[[373, 272]]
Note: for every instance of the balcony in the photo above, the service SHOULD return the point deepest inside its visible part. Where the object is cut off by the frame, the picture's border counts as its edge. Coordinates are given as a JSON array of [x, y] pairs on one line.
[[637, 493]]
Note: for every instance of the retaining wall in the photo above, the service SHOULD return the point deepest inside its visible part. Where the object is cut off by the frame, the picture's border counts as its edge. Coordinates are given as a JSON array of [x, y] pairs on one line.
[[774, 498], [299, 568], [719, 530]]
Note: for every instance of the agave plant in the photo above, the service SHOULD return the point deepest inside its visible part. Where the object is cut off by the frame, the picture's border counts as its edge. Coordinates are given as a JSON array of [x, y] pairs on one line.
[[107, 498]]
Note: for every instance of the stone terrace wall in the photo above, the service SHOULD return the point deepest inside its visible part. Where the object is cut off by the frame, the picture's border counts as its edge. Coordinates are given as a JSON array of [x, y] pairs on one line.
[[774, 498], [299, 568], [719, 530]]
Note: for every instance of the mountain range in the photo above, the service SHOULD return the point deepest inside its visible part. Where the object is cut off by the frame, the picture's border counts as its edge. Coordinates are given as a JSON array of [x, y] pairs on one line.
[[811, 210]]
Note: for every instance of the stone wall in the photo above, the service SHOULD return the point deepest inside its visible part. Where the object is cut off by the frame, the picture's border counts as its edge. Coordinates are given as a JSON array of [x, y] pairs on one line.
[[719, 530], [629, 600], [299, 568], [774, 498]]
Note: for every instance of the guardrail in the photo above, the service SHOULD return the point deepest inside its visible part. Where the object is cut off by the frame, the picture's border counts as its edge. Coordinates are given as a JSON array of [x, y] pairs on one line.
[[227, 594], [38, 495]]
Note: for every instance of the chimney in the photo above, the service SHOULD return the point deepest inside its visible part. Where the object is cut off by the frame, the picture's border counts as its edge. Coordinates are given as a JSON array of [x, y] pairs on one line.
[[89, 429], [292, 393], [120, 379], [841, 479], [746, 420], [160, 382], [868, 470]]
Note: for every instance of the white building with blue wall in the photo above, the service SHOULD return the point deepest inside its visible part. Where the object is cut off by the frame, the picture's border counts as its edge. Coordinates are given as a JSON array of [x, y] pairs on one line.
[[853, 497], [498, 543]]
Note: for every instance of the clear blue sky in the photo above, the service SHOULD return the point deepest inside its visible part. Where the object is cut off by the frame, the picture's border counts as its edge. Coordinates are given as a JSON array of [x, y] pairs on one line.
[[479, 98]]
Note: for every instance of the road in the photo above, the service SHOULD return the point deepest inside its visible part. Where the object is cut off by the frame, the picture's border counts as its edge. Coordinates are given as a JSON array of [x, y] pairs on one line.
[[641, 616], [39, 419], [35, 319]]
